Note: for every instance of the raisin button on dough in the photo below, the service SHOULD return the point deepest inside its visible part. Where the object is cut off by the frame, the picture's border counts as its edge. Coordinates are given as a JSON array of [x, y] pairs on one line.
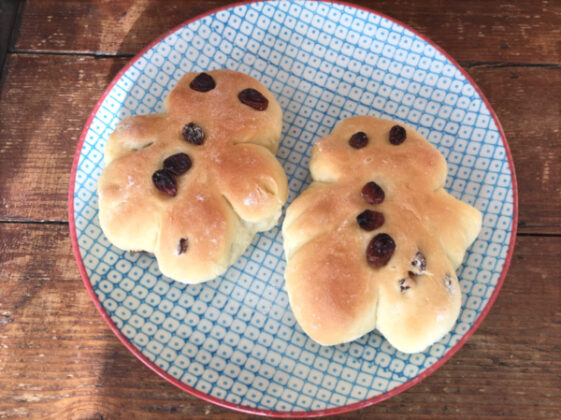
[[194, 184], [375, 240]]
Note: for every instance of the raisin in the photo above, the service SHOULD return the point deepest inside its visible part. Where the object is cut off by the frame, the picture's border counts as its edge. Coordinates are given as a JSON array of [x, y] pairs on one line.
[[358, 140], [380, 250], [177, 164], [253, 99], [370, 220], [193, 134], [182, 246], [448, 283], [397, 135], [403, 286], [163, 180], [372, 193], [203, 83], [419, 262]]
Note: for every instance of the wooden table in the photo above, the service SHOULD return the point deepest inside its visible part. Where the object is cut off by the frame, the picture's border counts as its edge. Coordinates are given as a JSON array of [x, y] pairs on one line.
[[59, 360]]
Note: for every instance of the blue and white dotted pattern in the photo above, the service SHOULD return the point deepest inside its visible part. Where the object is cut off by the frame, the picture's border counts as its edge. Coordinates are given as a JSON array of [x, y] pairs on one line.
[[235, 338]]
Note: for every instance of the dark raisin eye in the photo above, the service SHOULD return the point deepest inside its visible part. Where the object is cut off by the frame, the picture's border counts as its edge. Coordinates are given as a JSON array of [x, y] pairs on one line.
[[163, 180], [358, 140], [419, 262], [380, 250], [182, 246], [370, 220], [177, 164], [372, 193], [203, 83], [253, 99], [397, 135], [194, 134]]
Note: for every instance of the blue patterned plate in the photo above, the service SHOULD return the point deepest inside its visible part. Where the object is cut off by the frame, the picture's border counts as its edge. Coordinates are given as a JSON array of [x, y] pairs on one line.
[[234, 341]]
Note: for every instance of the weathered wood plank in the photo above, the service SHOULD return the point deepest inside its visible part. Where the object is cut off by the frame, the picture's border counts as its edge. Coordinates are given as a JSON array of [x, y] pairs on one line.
[[44, 104], [61, 360], [54, 95], [474, 30], [524, 99]]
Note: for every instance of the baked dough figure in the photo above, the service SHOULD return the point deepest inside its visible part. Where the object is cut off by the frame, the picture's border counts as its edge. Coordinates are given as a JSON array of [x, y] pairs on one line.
[[198, 210], [340, 282]]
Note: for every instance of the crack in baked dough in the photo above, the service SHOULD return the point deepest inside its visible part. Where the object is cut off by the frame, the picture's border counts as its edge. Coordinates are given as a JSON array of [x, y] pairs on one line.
[[335, 294], [235, 187]]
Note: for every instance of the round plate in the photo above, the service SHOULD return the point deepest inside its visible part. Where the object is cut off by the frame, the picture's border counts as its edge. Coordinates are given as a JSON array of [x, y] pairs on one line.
[[233, 341]]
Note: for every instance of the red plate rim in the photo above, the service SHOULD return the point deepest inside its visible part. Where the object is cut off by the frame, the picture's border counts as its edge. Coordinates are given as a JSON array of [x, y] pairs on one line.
[[258, 411]]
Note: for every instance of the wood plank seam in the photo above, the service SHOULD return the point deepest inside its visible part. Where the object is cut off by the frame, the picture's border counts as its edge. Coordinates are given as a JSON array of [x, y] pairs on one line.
[[502, 64], [465, 64], [32, 221], [73, 53], [538, 235]]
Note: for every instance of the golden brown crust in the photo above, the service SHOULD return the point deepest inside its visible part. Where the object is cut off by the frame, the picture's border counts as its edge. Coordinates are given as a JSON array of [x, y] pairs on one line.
[[335, 294], [234, 188]]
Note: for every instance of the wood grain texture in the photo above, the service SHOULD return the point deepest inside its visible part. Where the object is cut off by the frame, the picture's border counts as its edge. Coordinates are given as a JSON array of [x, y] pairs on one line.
[[44, 104], [532, 123], [60, 360], [521, 31], [58, 93]]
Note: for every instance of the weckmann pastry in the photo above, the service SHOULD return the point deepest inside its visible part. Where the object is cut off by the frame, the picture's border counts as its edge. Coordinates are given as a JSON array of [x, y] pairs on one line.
[[375, 240], [194, 184]]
